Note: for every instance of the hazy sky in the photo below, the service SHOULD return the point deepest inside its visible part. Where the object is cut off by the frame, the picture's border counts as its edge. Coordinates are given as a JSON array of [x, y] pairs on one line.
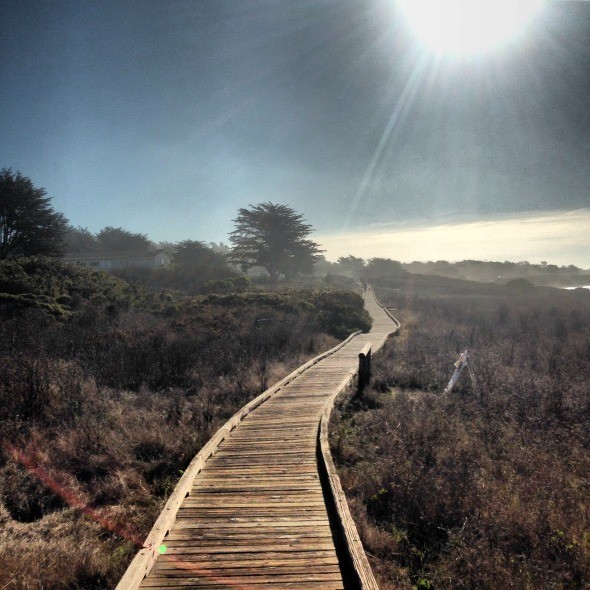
[[166, 116]]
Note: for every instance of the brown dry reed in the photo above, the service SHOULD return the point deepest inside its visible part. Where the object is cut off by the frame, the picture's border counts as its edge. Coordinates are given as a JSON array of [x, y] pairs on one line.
[[486, 487]]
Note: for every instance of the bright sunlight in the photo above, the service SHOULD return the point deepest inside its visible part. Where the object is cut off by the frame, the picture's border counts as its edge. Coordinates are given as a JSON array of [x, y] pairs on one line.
[[467, 27]]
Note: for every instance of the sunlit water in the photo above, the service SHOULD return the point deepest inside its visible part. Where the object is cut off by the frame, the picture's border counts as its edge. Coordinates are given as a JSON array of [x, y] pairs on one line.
[[580, 287]]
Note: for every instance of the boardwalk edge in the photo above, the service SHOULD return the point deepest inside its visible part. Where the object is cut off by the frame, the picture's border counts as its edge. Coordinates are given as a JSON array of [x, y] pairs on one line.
[[356, 553]]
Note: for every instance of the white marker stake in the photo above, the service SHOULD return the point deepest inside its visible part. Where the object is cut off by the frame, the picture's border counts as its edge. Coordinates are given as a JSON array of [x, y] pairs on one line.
[[459, 366]]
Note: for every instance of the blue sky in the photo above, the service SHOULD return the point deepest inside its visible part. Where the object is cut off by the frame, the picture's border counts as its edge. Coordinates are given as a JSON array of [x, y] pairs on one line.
[[165, 117]]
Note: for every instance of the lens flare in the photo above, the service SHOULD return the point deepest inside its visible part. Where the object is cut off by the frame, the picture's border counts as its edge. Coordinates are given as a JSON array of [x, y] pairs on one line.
[[75, 500]]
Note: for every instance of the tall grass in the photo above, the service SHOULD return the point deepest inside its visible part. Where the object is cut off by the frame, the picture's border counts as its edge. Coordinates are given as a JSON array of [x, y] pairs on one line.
[[486, 487]]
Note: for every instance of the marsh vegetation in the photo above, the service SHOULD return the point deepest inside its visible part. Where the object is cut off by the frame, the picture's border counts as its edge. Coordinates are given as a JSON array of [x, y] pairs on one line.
[[486, 487]]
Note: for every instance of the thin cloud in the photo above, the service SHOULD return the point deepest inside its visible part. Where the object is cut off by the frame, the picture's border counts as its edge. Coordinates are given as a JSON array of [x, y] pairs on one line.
[[560, 237]]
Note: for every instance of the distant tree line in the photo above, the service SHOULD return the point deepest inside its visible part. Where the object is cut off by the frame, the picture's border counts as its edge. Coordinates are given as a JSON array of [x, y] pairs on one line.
[[270, 237], [108, 239], [471, 270]]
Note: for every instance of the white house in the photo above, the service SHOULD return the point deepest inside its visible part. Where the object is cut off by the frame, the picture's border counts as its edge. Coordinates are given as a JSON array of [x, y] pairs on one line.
[[120, 260]]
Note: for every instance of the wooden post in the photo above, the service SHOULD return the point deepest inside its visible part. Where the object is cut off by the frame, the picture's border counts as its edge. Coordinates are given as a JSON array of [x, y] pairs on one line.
[[364, 366]]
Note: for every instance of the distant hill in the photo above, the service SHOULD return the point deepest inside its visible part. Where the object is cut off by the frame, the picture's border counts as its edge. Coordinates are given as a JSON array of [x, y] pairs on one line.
[[549, 275]]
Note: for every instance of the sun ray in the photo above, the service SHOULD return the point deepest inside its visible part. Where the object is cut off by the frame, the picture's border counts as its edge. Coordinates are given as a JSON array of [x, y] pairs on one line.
[[400, 110]]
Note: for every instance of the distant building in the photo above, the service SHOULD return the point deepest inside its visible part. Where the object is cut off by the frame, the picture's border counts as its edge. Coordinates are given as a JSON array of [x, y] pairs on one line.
[[120, 260]]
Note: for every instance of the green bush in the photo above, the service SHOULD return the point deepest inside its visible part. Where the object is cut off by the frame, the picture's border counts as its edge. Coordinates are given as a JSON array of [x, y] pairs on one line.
[[56, 287]]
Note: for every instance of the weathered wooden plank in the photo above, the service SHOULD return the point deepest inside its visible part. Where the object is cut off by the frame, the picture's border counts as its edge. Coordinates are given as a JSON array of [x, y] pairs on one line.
[[281, 493], [258, 477], [239, 580], [297, 535], [187, 562], [249, 490], [257, 529], [191, 503], [281, 554], [270, 558], [283, 546], [305, 585]]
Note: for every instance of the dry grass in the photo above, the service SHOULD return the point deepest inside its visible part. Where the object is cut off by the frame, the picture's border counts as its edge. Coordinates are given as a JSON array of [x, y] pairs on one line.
[[488, 487]]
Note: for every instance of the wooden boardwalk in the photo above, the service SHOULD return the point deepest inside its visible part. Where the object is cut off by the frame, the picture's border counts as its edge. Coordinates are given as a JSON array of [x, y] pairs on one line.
[[260, 513]]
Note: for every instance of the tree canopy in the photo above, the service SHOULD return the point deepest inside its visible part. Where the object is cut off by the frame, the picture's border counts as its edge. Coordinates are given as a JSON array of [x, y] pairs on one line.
[[378, 268], [80, 239], [274, 237], [28, 224], [352, 264], [196, 264], [117, 239], [194, 255], [108, 239]]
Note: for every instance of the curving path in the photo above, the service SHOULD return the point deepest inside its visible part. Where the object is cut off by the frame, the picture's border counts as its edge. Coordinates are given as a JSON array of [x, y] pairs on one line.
[[261, 511]]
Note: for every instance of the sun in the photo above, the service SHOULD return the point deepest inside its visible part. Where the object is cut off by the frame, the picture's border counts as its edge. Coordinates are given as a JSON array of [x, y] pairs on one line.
[[467, 27]]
